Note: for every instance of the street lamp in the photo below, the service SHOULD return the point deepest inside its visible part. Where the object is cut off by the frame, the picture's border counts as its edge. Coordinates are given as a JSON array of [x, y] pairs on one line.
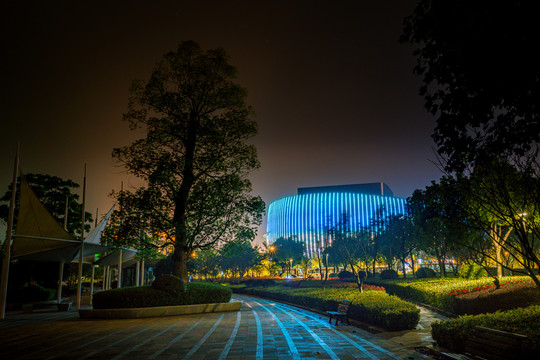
[[290, 266]]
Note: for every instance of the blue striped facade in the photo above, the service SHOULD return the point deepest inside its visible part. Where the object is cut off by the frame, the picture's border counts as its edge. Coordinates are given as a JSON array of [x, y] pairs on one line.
[[305, 217]]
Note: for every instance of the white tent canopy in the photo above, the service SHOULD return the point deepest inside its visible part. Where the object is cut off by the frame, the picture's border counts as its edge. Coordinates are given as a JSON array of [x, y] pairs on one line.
[[38, 236]]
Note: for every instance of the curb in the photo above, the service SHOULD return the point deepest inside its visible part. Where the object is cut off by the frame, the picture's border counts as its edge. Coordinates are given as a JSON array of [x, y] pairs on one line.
[[159, 311]]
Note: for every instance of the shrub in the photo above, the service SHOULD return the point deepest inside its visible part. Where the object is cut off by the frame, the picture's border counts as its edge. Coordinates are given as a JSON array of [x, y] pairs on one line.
[[259, 282], [148, 296], [365, 275], [471, 272], [32, 293], [438, 292], [389, 274], [425, 272], [453, 333], [332, 275], [346, 275], [513, 294], [170, 284], [373, 307]]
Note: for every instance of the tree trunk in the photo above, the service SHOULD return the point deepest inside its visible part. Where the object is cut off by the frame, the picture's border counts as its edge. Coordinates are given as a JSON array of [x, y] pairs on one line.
[[499, 260], [442, 267], [180, 259]]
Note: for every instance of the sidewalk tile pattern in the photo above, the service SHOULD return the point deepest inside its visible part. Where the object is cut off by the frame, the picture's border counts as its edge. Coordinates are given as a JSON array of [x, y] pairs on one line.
[[261, 330]]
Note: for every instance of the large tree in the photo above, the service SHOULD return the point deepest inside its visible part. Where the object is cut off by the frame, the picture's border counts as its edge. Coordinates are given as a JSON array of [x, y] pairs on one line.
[[481, 76], [194, 157], [481, 80]]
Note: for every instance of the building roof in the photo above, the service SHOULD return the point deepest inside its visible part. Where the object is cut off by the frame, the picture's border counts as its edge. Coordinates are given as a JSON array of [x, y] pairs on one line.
[[378, 188]]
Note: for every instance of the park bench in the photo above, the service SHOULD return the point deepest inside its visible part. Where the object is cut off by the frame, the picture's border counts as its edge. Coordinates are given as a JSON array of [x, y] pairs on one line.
[[62, 306], [341, 313], [485, 343]]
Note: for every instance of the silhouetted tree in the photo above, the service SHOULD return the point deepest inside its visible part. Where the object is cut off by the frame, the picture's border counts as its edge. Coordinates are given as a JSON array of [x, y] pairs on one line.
[[194, 158]]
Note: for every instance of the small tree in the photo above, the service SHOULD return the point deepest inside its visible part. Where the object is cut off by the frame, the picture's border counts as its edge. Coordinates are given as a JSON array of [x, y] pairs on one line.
[[237, 257], [398, 240], [288, 252]]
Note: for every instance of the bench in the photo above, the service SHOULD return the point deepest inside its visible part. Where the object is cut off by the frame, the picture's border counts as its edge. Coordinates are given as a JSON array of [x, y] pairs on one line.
[[62, 306], [341, 313], [494, 344]]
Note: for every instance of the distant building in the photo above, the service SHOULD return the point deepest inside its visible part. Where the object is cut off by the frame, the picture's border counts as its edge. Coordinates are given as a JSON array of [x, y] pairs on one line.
[[308, 215]]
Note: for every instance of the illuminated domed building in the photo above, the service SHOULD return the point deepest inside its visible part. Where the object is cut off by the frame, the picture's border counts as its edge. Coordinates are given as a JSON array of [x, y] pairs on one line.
[[307, 215]]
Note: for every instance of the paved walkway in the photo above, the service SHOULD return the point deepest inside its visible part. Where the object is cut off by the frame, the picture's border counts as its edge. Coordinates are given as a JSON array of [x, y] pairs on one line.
[[263, 329]]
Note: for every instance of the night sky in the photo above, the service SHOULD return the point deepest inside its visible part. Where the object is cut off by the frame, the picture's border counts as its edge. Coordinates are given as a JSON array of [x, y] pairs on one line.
[[333, 90]]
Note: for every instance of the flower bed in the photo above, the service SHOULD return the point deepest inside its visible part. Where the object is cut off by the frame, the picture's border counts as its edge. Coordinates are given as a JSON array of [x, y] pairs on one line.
[[453, 333], [372, 307], [439, 292]]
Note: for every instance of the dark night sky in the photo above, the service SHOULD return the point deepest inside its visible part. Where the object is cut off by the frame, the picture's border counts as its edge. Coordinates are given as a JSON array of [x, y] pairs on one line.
[[333, 89]]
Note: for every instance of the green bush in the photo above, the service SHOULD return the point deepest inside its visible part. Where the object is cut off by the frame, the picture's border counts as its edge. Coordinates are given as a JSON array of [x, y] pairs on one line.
[[170, 284], [373, 307], [437, 292], [471, 272], [346, 275], [32, 293], [259, 282], [424, 273], [332, 275], [365, 275], [389, 274], [148, 296], [453, 333]]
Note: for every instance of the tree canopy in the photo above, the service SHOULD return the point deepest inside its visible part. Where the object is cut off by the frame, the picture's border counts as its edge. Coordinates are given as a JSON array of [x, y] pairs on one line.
[[481, 76], [194, 157], [52, 191]]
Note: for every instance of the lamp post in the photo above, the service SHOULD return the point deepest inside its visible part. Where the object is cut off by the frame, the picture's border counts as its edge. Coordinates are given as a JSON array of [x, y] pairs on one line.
[[290, 266]]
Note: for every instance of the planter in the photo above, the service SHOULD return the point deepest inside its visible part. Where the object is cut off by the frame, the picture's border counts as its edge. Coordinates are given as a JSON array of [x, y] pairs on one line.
[[134, 313]]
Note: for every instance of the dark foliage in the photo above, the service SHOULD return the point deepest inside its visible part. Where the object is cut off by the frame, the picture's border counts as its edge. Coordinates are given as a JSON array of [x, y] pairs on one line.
[[346, 275], [471, 271], [425, 272], [147, 296], [170, 284], [453, 333], [259, 282], [30, 293], [389, 274]]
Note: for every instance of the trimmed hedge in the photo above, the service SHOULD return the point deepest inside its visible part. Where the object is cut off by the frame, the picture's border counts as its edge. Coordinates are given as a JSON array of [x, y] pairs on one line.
[[32, 293], [346, 275], [147, 296], [389, 274], [170, 284], [259, 282], [438, 292], [373, 307], [424, 273], [472, 272], [453, 333]]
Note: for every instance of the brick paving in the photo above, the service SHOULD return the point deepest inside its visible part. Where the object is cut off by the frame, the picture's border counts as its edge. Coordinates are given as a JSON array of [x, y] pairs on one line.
[[262, 329]]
